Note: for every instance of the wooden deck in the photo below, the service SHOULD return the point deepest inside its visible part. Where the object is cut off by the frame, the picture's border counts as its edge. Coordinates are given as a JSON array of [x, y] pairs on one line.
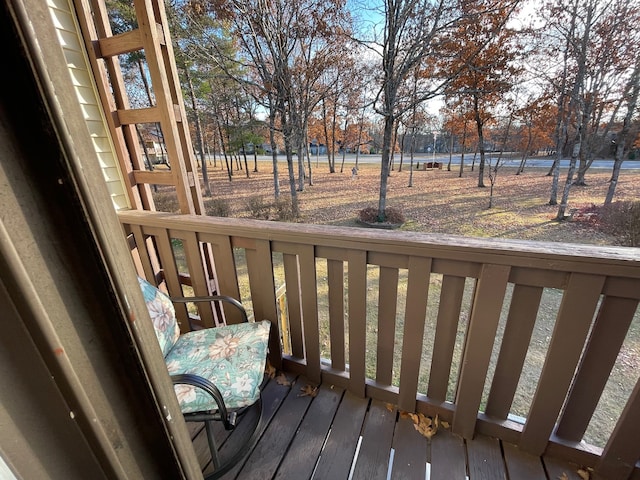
[[336, 435]]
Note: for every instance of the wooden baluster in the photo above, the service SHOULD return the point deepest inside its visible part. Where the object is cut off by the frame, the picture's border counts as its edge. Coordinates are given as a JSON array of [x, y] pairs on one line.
[[572, 326], [294, 303], [335, 278], [451, 294], [357, 275], [387, 310], [483, 324], [415, 312], [604, 344], [525, 302]]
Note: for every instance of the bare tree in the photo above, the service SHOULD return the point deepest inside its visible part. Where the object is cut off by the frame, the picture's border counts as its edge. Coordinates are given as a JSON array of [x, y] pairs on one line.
[[628, 132], [489, 63], [412, 36]]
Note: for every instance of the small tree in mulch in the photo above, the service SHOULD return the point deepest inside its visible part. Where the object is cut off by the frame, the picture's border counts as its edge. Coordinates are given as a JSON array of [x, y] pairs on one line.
[[369, 216]]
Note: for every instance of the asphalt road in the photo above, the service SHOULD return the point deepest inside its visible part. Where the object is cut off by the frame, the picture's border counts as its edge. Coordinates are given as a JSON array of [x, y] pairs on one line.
[[539, 162]]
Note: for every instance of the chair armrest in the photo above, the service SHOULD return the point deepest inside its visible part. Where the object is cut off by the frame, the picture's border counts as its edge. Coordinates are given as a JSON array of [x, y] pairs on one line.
[[214, 298], [228, 419]]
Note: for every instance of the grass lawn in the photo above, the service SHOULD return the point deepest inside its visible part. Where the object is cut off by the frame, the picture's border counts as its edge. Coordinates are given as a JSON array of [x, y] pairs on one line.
[[441, 202]]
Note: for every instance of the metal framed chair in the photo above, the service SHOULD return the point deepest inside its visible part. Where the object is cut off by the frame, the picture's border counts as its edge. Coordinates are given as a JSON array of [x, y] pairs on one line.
[[217, 372]]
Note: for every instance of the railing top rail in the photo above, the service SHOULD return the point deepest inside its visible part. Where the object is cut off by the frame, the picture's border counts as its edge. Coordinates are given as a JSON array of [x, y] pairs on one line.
[[622, 261]]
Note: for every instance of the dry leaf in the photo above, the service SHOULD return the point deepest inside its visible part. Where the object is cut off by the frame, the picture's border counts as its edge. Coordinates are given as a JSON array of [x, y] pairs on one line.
[[390, 406], [564, 476], [425, 426], [404, 414], [308, 390], [445, 424], [270, 370], [584, 474], [283, 380]]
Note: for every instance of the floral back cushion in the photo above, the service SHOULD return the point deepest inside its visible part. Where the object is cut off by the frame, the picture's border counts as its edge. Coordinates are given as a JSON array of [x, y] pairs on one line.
[[163, 315]]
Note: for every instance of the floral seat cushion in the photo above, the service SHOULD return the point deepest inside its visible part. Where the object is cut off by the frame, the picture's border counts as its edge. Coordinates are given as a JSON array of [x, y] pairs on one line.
[[231, 357]]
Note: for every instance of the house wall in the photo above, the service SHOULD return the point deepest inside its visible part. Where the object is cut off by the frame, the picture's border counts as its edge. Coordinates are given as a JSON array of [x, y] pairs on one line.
[[67, 30]]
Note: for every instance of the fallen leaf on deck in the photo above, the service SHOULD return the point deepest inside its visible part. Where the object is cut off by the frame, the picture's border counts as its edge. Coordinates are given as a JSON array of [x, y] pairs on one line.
[[564, 476], [426, 426], [390, 406], [308, 390], [404, 414], [584, 474], [445, 424], [270, 370], [283, 380]]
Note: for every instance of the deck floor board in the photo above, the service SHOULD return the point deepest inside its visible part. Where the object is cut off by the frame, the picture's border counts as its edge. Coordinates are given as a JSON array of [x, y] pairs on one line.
[[301, 459], [265, 458], [410, 451], [318, 437], [336, 458], [377, 436], [448, 456]]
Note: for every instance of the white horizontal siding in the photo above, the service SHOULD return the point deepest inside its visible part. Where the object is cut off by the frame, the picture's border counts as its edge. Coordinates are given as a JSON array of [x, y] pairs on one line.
[[82, 80]]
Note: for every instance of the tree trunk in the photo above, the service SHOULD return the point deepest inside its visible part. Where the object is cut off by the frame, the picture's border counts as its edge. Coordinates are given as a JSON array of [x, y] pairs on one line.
[[525, 154], [562, 208], [464, 141], [307, 154], [480, 128], [411, 152], [613, 183], [286, 129], [199, 142], [387, 137], [246, 165], [301, 172], [401, 152], [224, 152], [360, 129], [450, 148], [583, 166], [274, 153], [634, 87]]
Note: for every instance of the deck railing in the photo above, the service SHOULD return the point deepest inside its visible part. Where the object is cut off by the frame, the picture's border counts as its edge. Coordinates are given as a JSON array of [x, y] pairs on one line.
[[513, 339]]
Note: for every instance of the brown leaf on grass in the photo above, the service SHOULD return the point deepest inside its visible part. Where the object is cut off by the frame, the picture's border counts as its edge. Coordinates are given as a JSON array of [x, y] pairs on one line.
[[270, 370], [282, 380], [309, 391]]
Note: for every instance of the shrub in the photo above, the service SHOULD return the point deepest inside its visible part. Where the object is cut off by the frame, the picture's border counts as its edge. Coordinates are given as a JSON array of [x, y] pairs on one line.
[[370, 215], [283, 210], [622, 219], [258, 208], [166, 201], [218, 207]]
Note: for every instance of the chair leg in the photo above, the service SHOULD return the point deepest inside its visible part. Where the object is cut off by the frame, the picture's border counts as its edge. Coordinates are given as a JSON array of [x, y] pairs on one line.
[[213, 447], [244, 450]]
